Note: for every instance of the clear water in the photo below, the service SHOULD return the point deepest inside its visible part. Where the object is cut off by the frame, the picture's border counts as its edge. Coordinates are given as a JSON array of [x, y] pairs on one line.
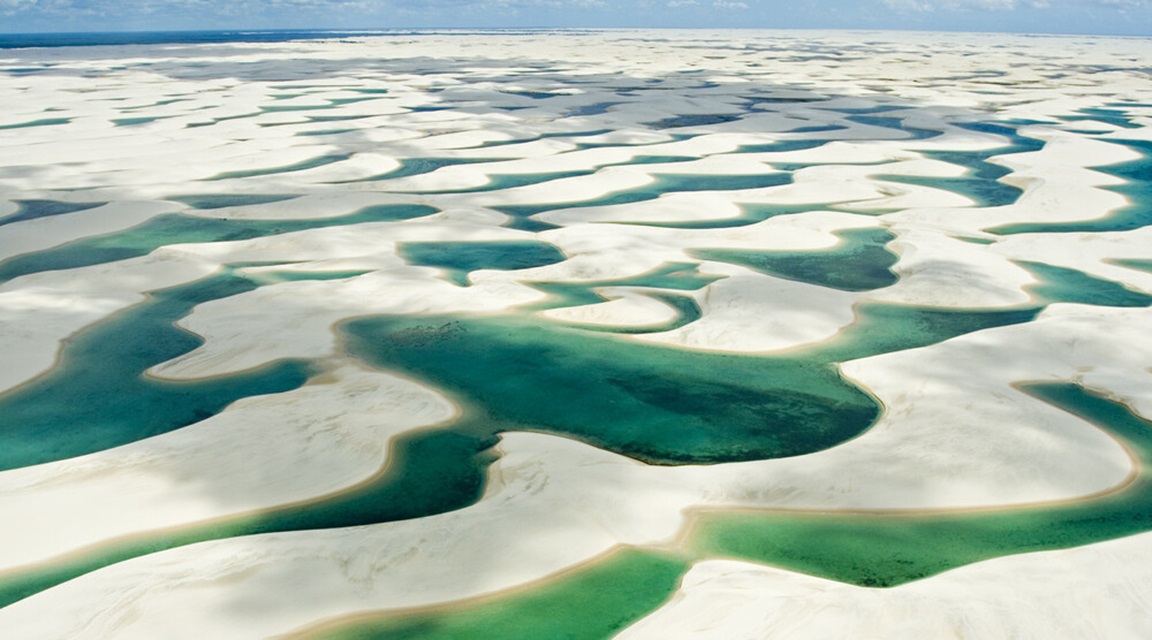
[[129, 122], [428, 472], [659, 405], [1139, 265], [590, 604], [662, 183], [871, 550], [1060, 284], [458, 259], [42, 122], [177, 228], [32, 209], [883, 550], [680, 276], [861, 262], [1137, 188], [96, 397]]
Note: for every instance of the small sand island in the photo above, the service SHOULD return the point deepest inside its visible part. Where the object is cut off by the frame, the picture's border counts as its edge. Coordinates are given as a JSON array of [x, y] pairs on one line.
[[577, 334]]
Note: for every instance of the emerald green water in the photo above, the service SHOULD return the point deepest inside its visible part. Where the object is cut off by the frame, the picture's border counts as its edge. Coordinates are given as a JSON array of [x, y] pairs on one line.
[[43, 122], [304, 107], [659, 405], [289, 275], [95, 397], [32, 209], [323, 132], [686, 308], [327, 119], [428, 472], [458, 259], [1139, 265], [178, 228], [679, 276], [983, 192], [662, 183], [1060, 284], [884, 550], [1116, 117], [589, 604], [781, 146], [871, 550], [884, 328], [695, 120], [981, 182], [1138, 190], [128, 122], [860, 262]]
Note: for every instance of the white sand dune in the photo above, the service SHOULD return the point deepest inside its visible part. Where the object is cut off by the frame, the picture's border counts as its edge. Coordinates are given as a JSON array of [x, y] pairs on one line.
[[527, 527], [324, 437], [138, 126], [1024, 597]]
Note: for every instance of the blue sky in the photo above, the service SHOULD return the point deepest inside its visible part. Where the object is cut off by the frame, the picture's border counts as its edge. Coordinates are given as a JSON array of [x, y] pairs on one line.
[[1122, 17]]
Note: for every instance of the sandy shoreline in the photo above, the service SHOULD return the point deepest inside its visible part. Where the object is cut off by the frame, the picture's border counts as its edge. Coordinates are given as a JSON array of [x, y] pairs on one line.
[[625, 164]]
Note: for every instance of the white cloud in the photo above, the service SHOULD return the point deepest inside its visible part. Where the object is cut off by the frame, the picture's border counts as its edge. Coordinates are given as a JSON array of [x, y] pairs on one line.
[[727, 5]]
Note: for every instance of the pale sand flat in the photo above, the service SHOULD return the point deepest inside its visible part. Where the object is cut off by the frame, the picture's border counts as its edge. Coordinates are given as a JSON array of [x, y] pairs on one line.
[[1093, 253], [751, 313], [38, 311], [38, 234], [623, 307], [1026, 597], [322, 438], [528, 526]]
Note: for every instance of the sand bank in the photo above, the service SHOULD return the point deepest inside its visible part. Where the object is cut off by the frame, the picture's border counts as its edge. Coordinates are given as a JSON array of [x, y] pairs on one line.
[[847, 135]]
